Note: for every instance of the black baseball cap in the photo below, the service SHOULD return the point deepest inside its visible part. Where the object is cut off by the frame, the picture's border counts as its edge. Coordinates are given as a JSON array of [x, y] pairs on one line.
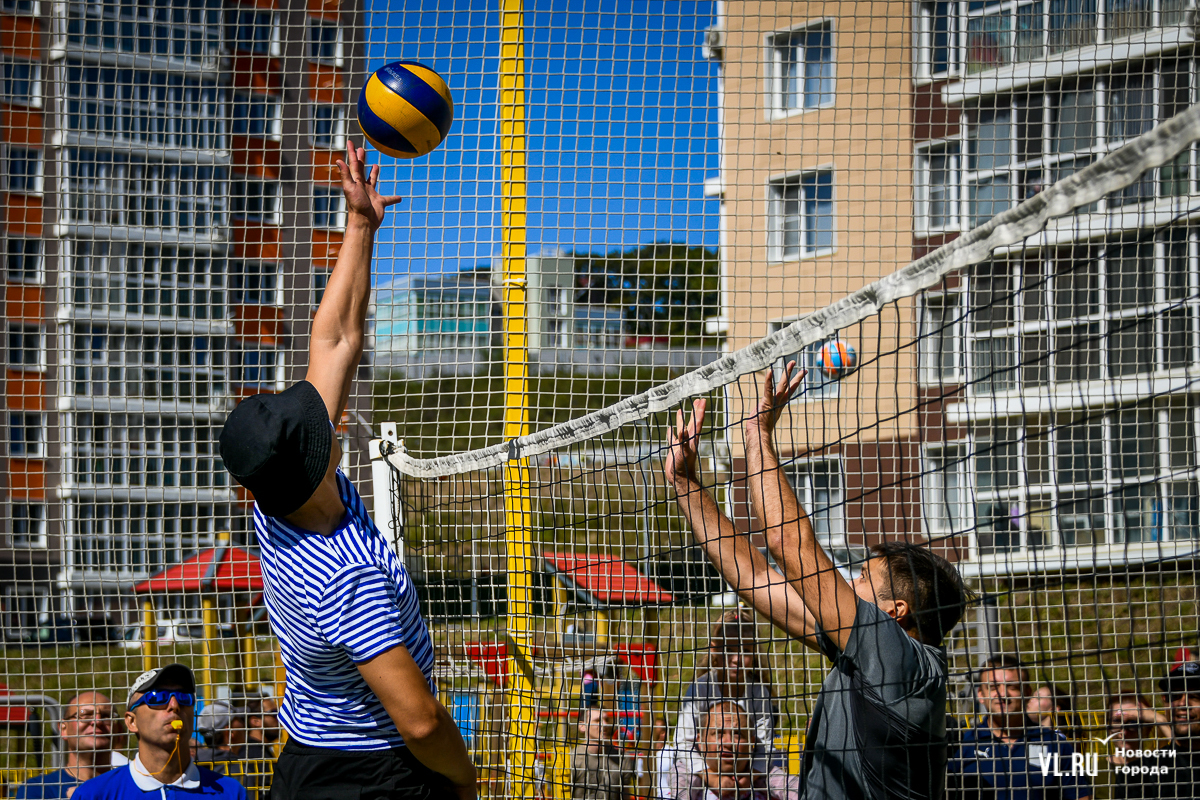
[[1182, 679], [277, 446]]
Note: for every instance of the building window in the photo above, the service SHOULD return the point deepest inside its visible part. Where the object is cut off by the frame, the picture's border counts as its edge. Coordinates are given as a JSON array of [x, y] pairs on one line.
[[257, 115], [253, 282], [941, 335], [801, 69], [944, 490], [110, 362], [139, 452], [324, 42], [23, 170], [23, 260], [250, 30], [25, 610], [22, 84], [175, 110], [937, 184], [801, 216], [937, 40], [26, 434], [1089, 477], [29, 525], [255, 200], [328, 126], [25, 7], [181, 30], [256, 367], [818, 486], [137, 539], [329, 207], [320, 281], [26, 347], [147, 279]]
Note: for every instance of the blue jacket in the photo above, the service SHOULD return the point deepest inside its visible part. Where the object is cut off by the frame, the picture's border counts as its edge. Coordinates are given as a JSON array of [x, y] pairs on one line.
[[131, 783]]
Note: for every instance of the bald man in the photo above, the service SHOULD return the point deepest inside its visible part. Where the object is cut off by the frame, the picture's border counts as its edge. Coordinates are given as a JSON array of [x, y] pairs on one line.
[[89, 732]]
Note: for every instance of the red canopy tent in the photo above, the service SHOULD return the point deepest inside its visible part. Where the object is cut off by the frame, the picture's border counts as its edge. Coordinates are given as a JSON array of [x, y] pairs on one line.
[[603, 581], [218, 569], [12, 715]]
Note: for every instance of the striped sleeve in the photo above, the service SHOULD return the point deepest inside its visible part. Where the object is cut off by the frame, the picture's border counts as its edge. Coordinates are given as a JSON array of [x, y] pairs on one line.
[[358, 613]]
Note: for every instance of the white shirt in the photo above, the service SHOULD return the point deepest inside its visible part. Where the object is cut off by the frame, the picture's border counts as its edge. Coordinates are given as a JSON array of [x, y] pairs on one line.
[[190, 779]]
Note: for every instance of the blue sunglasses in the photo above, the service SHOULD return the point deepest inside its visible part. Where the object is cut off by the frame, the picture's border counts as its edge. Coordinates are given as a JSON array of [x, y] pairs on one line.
[[160, 699]]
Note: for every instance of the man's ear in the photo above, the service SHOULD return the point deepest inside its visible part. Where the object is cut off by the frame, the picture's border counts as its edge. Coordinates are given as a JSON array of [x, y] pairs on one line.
[[131, 722]]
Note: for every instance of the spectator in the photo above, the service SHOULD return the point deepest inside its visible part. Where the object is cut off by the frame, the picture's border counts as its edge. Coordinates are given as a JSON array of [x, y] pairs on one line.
[[224, 729], [660, 761], [1050, 707], [1008, 757], [730, 671], [726, 743], [262, 728], [88, 731], [159, 712], [1181, 690], [598, 770], [1131, 721]]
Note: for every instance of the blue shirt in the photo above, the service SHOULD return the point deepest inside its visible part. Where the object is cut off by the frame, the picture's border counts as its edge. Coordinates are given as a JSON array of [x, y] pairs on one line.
[[122, 784], [1024, 770], [334, 602], [51, 786]]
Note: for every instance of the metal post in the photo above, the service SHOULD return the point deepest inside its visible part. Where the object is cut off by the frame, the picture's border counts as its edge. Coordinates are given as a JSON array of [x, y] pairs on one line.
[[522, 713], [149, 636], [209, 616]]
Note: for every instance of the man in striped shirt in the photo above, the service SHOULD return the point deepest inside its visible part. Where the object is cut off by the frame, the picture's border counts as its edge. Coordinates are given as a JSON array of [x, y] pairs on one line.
[[360, 709]]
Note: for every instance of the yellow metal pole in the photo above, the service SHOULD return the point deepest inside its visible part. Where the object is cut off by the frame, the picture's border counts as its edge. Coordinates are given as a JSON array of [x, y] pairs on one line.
[[518, 509], [149, 636], [209, 616]]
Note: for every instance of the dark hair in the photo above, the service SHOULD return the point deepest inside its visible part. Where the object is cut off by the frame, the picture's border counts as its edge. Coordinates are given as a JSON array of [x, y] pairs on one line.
[[929, 584], [1002, 662]]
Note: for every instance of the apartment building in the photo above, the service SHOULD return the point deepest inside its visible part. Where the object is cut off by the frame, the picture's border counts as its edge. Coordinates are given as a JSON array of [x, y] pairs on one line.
[[170, 216], [1055, 419]]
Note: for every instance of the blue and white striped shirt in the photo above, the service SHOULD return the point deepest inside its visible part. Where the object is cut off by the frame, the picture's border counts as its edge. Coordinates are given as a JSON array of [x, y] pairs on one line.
[[336, 601]]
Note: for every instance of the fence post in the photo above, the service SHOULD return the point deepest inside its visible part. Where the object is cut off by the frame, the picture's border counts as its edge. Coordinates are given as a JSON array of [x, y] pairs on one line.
[[522, 713], [149, 636]]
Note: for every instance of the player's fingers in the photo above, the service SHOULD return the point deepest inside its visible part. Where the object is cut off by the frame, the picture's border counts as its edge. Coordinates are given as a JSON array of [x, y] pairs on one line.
[[374, 179], [391, 201]]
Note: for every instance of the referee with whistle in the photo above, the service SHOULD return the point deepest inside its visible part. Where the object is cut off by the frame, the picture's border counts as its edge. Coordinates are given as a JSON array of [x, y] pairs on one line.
[[360, 709]]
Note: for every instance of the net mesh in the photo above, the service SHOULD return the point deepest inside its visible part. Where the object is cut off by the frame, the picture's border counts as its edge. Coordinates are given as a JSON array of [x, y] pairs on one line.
[[993, 203]]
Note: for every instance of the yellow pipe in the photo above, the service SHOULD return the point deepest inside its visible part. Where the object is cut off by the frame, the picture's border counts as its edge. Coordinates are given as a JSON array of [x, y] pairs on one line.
[[518, 508], [149, 636], [601, 629], [280, 688], [209, 617]]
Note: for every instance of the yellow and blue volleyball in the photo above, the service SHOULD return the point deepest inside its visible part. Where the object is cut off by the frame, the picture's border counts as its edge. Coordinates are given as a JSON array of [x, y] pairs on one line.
[[837, 359], [405, 109]]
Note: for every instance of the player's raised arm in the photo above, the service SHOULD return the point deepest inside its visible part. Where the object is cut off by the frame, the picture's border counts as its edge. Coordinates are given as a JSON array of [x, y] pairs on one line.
[[790, 536], [339, 328], [742, 566]]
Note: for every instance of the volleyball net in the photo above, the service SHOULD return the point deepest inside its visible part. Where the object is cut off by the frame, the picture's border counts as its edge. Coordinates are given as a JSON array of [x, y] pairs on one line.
[[994, 204]]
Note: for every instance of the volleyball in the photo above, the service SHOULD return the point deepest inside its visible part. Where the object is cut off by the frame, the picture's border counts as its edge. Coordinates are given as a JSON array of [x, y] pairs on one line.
[[405, 109], [837, 359]]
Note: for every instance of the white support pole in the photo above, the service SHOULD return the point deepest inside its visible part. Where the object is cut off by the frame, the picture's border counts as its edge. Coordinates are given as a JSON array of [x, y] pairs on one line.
[[381, 483]]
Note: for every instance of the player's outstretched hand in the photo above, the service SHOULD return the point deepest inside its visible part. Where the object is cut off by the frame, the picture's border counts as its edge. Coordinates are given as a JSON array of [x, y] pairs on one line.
[[772, 400], [679, 466], [362, 199]]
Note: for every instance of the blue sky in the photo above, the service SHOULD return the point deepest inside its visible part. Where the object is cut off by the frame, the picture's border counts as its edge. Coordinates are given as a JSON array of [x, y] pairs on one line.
[[622, 129]]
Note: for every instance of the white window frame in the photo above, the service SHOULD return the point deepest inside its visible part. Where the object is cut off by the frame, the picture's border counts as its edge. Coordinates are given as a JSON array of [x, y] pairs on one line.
[[42, 605], [338, 215], [922, 184], [929, 372], [274, 217], [238, 269], [775, 214], [275, 48], [35, 80], [36, 540], [796, 470], [775, 44], [933, 487], [338, 133], [40, 366], [923, 42], [38, 172], [38, 423], [274, 122], [339, 45], [39, 276], [251, 347]]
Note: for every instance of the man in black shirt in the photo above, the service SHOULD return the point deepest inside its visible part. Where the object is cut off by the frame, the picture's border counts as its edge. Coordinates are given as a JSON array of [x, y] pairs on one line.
[[1181, 690]]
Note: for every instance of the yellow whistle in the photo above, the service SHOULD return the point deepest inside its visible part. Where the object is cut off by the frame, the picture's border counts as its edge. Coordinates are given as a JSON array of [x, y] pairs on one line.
[[177, 724]]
